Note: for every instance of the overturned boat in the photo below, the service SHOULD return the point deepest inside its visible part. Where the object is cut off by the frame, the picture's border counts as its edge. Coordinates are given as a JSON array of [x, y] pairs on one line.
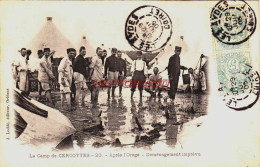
[[39, 125]]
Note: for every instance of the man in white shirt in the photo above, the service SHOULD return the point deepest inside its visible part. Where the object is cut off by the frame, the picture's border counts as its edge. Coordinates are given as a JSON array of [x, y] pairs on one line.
[[96, 74], [155, 83], [197, 80], [20, 71], [45, 75], [139, 72], [65, 77]]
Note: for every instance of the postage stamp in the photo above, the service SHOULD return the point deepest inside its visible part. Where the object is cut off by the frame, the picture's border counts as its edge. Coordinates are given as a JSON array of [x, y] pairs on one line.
[[232, 22], [148, 28], [239, 83], [219, 46]]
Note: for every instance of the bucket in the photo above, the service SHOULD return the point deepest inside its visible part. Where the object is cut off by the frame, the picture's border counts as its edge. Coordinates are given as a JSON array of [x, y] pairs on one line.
[[186, 78]]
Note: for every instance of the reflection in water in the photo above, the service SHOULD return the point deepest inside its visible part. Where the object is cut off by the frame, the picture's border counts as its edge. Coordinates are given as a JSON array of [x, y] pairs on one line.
[[171, 128], [136, 122]]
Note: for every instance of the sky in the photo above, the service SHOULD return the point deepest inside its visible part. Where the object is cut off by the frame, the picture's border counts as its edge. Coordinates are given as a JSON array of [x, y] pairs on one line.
[[104, 22]]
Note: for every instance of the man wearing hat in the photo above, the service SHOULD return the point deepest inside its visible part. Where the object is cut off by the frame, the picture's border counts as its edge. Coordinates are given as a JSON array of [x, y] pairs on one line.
[[96, 74], [80, 75], [139, 71], [65, 71], [45, 74], [174, 72], [20, 71], [40, 54], [104, 55], [111, 69]]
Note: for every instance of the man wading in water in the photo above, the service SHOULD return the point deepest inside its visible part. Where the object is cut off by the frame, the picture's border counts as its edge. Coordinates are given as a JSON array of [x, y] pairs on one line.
[[111, 69], [139, 71], [122, 71], [96, 74], [80, 75], [65, 77], [174, 72]]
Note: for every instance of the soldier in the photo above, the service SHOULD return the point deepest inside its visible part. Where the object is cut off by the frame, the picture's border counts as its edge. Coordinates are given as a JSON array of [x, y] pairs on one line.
[[65, 77], [96, 74], [20, 71], [45, 74], [174, 72], [122, 71], [80, 75], [111, 70], [139, 72]]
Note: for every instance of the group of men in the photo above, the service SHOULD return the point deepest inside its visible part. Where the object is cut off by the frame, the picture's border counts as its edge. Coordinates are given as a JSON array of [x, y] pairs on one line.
[[92, 74], [21, 68]]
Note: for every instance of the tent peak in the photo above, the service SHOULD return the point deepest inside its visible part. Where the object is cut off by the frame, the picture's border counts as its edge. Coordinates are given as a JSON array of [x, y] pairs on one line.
[[49, 18]]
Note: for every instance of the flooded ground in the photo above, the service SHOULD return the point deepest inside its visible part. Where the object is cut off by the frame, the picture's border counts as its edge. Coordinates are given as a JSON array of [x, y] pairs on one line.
[[122, 122]]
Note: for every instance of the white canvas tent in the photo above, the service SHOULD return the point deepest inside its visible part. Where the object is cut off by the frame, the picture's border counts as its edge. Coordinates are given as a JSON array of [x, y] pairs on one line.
[[49, 36], [90, 52], [127, 58]]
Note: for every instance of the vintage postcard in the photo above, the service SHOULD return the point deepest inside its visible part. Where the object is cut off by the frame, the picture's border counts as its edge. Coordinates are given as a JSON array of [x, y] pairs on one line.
[[130, 83]]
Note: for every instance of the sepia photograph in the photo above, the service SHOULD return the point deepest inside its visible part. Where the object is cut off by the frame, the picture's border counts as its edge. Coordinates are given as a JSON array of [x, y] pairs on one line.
[[133, 83]]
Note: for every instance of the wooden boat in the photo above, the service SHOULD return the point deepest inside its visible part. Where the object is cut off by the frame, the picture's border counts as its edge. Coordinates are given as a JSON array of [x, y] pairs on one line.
[[39, 125]]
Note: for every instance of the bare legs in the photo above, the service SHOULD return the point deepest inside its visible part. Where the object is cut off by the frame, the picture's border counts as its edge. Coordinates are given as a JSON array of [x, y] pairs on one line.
[[65, 96]]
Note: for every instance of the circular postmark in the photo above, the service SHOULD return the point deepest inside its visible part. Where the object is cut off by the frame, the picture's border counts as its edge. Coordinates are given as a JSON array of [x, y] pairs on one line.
[[241, 89], [148, 28], [233, 21]]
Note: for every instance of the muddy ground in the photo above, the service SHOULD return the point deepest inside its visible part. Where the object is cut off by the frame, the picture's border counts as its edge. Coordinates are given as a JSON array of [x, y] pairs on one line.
[[122, 122]]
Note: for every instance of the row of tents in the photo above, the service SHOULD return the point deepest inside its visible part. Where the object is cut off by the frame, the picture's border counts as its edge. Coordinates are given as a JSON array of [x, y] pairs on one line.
[[49, 36]]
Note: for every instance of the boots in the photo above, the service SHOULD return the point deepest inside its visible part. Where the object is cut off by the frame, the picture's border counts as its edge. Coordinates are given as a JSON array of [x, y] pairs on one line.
[[132, 94], [113, 91], [141, 94], [108, 93], [120, 91]]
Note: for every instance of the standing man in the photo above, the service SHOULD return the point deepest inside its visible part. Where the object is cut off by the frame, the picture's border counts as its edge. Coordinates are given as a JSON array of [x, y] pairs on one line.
[[104, 55], [65, 77], [174, 72], [40, 55], [139, 72], [80, 75], [111, 69], [96, 74], [20, 72], [45, 75], [73, 87], [122, 71]]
